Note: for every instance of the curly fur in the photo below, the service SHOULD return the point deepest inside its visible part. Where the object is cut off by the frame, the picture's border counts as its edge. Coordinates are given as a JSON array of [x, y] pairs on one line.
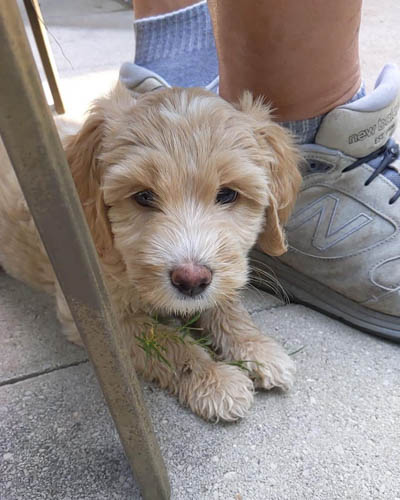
[[184, 145]]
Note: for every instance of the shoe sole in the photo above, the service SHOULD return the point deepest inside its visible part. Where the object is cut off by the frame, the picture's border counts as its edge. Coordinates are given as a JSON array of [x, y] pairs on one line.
[[304, 290]]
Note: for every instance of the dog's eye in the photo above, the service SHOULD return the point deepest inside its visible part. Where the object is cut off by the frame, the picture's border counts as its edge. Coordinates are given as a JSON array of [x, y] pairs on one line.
[[145, 198], [226, 195]]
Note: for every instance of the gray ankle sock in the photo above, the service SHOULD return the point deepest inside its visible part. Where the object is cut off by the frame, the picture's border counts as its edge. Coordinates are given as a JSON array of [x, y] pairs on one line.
[[179, 46], [306, 130]]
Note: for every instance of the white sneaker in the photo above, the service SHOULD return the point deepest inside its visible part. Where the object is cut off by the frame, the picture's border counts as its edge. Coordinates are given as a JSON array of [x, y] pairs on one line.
[[344, 234]]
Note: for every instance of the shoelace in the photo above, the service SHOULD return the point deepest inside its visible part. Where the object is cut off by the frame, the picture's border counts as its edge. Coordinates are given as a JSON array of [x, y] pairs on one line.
[[390, 152]]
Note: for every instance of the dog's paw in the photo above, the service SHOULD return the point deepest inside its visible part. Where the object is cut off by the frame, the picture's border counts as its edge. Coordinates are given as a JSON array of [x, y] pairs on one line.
[[222, 392], [272, 367]]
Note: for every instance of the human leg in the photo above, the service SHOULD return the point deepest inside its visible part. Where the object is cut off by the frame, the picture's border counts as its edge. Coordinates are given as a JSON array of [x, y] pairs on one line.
[[303, 56]]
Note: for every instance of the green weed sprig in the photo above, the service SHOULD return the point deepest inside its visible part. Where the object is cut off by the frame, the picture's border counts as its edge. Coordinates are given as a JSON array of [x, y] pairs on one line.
[[151, 341]]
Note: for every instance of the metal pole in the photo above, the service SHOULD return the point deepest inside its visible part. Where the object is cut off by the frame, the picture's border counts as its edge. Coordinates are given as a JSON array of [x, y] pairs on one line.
[[35, 150], [46, 55]]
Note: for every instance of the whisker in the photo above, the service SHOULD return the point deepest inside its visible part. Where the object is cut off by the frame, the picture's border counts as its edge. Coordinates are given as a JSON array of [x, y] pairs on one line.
[[269, 279], [262, 276], [250, 286], [276, 290]]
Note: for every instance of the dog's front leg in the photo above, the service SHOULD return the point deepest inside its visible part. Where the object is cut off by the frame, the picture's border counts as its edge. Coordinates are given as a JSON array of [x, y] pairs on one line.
[[236, 338], [212, 389]]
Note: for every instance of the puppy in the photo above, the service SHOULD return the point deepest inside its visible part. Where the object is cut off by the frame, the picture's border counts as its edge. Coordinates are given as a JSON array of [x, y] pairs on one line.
[[176, 186]]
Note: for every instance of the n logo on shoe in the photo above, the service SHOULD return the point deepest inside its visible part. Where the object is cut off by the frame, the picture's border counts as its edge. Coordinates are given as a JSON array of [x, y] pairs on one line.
[[334, 225]]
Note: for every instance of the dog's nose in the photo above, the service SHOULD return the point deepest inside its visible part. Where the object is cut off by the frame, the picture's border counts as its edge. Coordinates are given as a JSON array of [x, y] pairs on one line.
[[191, 279]]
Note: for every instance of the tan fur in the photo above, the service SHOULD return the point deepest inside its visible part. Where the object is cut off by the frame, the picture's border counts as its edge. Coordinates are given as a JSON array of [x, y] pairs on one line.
[[184, 145], [285, 178]]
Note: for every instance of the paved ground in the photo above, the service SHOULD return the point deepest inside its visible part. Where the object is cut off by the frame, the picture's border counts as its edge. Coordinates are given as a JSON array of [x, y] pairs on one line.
[[335, 436]]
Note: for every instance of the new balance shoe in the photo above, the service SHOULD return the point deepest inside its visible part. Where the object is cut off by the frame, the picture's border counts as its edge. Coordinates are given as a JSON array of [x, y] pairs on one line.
[[344, 234]]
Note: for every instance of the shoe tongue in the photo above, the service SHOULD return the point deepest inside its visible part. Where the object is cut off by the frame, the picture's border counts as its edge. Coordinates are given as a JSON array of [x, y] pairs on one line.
[[363, 126], [139, 79]]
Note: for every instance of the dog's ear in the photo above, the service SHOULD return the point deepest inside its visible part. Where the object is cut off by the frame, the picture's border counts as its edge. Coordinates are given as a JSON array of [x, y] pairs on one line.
[[83, 152], [281, 158]]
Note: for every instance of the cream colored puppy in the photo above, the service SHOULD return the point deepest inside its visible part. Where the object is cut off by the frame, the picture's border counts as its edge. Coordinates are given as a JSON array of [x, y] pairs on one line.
[[177, 186]]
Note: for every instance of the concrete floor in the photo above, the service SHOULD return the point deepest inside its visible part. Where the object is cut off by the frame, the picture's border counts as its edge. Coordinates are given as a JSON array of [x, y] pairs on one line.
[[336, 435]]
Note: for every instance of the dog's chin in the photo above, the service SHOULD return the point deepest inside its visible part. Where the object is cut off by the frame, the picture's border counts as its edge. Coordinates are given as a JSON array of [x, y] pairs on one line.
[[174, 303], [183, 306]]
